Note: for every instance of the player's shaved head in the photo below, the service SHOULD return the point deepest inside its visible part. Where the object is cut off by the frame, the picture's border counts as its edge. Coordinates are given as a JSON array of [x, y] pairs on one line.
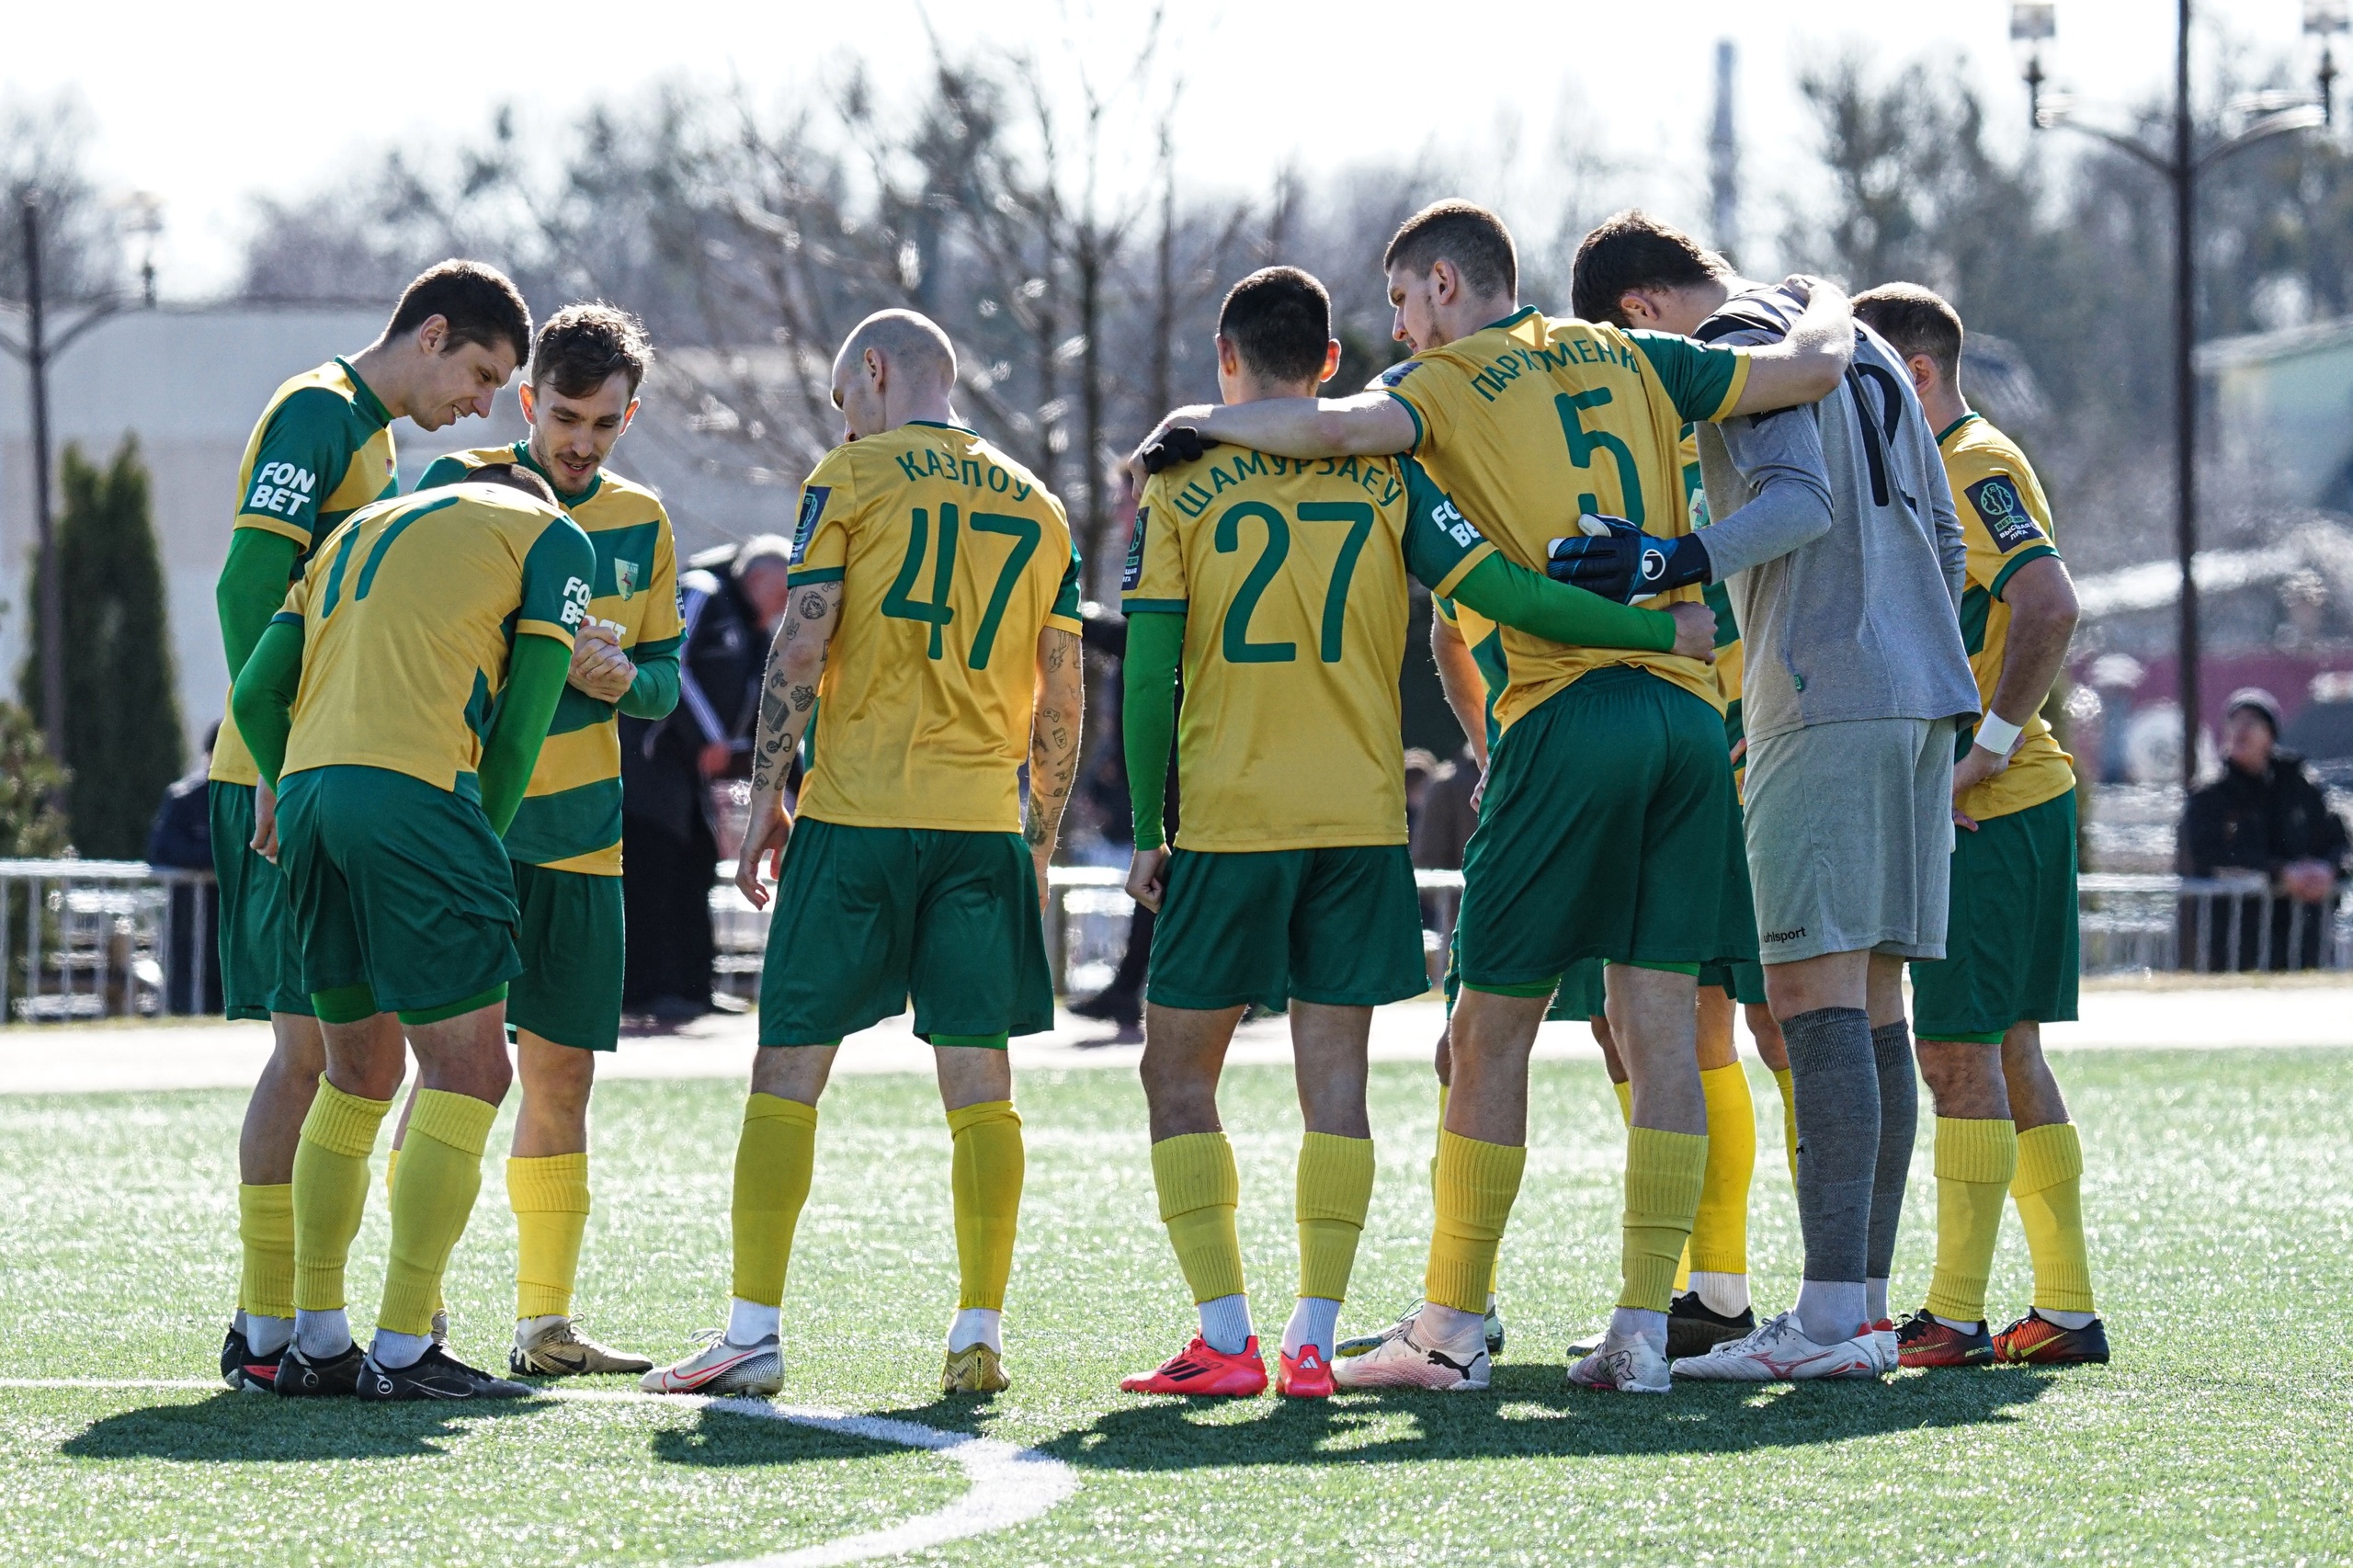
[[514, 476], [1632, 252], [1280, 320], [1465, 234], [911, 343], [1918, 322]]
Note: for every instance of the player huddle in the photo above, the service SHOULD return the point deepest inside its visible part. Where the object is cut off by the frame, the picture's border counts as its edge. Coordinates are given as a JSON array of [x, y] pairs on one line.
[[1734, 692]]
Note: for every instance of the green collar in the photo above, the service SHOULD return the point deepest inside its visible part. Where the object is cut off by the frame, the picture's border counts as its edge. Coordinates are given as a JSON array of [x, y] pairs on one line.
[[522, 450], [1521, 314], [943, 425], [1956, 424], [369, 403]]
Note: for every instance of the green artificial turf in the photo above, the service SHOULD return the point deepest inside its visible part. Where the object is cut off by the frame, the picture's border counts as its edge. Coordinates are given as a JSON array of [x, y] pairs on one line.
[[2218, 1189]]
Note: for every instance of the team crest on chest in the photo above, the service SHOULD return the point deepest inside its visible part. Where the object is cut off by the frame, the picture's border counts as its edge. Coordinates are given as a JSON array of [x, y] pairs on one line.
[[625, 576]]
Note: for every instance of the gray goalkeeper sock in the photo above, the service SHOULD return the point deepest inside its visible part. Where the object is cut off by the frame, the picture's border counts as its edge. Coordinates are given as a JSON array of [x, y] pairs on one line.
[[1899, 1122], [1835, 1078]]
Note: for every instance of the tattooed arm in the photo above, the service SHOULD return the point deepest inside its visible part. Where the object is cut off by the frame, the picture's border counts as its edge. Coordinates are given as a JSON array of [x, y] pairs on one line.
[[1053, 743], [788, 696]]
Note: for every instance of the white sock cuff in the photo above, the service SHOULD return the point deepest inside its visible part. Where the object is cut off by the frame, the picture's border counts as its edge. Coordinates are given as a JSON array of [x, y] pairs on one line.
[[1726, 1295], [748, 1322], [1225, 1324], [976, 1326]]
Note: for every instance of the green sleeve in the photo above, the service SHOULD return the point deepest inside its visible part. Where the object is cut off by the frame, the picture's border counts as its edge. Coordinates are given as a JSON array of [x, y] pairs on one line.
[[1438, 539], [251, 587], [1148, 715], [655, 690], [263, 699], [304, 449], [534, 681], [450, 470], [1697, 376], [557, 571], [1506, 592]]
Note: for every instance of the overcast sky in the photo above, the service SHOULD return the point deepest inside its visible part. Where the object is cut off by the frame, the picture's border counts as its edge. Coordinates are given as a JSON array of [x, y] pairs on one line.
[[209, 105]]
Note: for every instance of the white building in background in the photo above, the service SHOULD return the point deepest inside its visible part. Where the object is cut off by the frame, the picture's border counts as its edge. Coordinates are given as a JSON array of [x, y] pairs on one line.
[[189, 383], [2284, 405]]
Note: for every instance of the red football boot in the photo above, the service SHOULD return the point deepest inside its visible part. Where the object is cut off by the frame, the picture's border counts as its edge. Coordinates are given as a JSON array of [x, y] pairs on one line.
[[1304, 1376], [1205, 1373]]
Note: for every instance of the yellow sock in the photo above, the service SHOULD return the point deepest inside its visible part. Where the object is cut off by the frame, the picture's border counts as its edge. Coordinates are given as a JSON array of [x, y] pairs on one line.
[[392, 1175], [1786, 1082], [1665, 1171], [1335, 1192], [266, 1231], [775, 1156], [988, 1166], [1720, 1230], [1495, 1273], [330, 1190], [1975, 1163], [2048, 1190], [550, 1197], [1200, 1190], [1625, 1100], [430, 1206], [1476, 1186]]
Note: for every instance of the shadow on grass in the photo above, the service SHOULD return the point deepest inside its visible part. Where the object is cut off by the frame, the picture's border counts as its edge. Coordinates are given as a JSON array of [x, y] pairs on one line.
[[1530, 1412], [232, 1428], [723, 1439]]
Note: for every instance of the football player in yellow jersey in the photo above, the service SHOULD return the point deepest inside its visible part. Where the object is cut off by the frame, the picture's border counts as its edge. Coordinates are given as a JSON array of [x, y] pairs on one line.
[[1528, 421], [586, 367], [1280, 587], [2011, 960], [321, 448], [398, 704], [935, 613]]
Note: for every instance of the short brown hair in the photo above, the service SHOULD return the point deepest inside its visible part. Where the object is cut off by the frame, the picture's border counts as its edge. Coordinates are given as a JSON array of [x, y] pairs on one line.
[[1630, 251], [1915, 321], [515, 476], [1280, 320], [582, 347], [1464, 234], [477, 301]]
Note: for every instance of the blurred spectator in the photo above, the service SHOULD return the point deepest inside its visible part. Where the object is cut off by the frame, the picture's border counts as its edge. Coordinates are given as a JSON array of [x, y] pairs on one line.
[[1122, 1000], [731, 603], [181, 839], [1422, 768], [2265, 814], [1442, 826]]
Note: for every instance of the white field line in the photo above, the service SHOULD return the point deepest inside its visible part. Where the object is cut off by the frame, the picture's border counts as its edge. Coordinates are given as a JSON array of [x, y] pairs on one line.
[[1009, 1485]]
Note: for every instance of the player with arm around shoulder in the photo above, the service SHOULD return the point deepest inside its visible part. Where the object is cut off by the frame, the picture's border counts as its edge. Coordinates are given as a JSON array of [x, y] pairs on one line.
[[2010, 960], [322, 449], [935, 612], [1280, 587], [399, 701]]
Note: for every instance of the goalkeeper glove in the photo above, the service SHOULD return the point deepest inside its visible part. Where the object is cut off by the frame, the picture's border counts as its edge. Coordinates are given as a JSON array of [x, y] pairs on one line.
[[1618, 560], [1182, 444]]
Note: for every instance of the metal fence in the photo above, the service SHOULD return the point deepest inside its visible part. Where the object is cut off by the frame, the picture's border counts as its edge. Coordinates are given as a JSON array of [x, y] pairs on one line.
[[104, 940], [121, 939]]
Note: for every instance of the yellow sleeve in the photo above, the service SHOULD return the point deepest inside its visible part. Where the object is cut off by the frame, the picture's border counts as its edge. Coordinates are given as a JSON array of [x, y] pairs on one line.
[[1155, 578], [821, 531], [1997, 520], [1434, 391], [662, 623]]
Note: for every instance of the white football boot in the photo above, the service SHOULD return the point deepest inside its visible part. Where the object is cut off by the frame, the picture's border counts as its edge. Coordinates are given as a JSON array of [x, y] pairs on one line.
[[1779, 1351]]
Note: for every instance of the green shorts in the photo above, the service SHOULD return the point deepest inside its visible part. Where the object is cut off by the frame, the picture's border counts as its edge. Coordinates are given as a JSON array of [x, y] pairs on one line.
[[261, 961], [1609, 830], [867, 915], [1341, 927], [395, 885], [1580, 999], [2012, 943], [570, 937], [1743, 981]]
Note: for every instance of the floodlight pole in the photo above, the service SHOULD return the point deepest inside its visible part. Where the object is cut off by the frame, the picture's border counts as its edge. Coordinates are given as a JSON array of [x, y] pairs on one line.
[[52, 588]]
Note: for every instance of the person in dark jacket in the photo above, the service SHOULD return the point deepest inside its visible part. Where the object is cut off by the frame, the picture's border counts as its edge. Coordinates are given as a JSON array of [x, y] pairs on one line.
[[729, 604], [2265, 813], [181, 838]]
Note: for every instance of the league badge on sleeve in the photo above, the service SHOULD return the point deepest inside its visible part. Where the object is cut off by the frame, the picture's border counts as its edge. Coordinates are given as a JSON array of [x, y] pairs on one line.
[[1132, 573], [813, 510], [2005, 514]]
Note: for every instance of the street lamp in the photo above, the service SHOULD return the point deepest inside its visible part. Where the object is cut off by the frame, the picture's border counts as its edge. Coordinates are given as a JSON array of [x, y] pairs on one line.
[[2034, 23], [2325, 19]]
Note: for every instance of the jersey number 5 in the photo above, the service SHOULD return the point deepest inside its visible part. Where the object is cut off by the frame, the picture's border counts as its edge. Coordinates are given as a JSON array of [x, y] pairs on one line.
[[900, 603], [1585, 444], [1235, 634]]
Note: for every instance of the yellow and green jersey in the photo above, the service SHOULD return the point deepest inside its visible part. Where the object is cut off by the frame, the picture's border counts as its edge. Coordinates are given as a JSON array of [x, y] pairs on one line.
[[1531, 421], [952, 557], [2005, 519], [409, 612], [1484, 638], [1291, 577], [571, 816], [322, 449]]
